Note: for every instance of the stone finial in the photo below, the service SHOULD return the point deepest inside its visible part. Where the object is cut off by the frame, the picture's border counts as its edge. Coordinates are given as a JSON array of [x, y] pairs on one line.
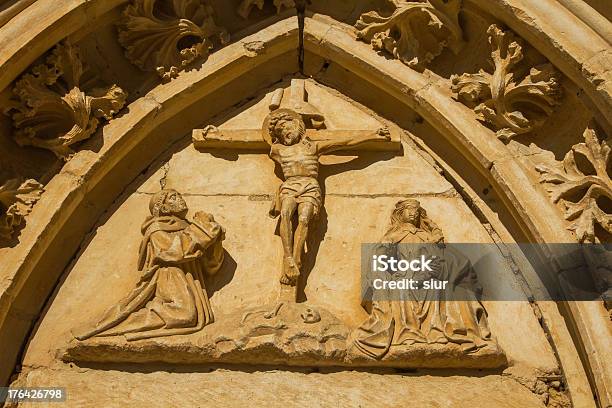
[[17, 197], [165, 37], [511, 106], [53, 111], [246, 6], [580, 189], [416, 32]]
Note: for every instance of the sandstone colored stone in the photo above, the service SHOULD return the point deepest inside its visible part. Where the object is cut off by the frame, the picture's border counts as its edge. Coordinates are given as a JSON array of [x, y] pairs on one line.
[[282, 388], [146, 268]]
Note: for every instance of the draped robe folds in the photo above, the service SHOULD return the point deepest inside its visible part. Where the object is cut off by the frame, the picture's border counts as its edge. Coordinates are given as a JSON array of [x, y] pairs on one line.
[[429, 317], [170, 297]]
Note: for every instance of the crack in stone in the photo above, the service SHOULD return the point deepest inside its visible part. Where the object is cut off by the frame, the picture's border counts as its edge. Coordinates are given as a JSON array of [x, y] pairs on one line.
[[300, 6], [164, 178]]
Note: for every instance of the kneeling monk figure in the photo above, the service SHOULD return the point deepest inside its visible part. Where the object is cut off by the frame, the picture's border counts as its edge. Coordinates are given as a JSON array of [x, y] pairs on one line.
[[175, 255]]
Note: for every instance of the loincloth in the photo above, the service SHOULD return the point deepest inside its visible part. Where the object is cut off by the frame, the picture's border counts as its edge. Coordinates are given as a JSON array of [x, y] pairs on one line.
[[302, 190]]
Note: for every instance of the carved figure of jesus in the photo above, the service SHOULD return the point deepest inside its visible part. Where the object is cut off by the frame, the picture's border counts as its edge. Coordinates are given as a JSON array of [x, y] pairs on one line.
[[300, 192]]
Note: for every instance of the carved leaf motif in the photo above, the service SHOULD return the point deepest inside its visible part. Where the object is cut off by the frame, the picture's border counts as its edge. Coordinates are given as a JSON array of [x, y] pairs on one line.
[[52, 112], [581, 185], [512, 107], [416, 32], [246, 6], [17, 197], [473, 88], [166, 36]]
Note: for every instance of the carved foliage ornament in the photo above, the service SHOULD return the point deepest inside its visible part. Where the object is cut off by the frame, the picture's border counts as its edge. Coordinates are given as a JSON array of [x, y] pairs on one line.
[[53, 111], [511, 106], [246, 6], [583, 186], [166, 36], [17, 197], [416, 32]]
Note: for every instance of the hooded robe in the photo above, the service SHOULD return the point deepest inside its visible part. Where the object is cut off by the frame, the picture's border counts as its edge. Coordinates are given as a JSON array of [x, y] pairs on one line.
[[170, 297]]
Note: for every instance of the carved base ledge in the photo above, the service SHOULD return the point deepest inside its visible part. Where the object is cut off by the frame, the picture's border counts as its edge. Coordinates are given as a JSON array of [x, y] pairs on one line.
[[292, 335]]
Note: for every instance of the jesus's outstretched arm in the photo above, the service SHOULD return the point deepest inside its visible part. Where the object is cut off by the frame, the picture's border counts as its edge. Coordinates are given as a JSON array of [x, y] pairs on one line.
[[341, 143]]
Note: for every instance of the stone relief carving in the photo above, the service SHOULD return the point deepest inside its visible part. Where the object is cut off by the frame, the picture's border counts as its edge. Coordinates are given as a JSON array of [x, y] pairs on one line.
[[17, 197], [165, 37], [246, 6], [54, 110], [295, 136], [211, 137], [416, 32], [298, 156], [175, 256], [300, 191], [582, 184], [510, 105], [397, 324], [295, 133], [442, 333]]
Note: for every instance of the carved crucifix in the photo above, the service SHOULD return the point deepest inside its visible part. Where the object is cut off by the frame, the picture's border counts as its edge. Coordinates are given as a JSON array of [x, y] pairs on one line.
[[295, 134]]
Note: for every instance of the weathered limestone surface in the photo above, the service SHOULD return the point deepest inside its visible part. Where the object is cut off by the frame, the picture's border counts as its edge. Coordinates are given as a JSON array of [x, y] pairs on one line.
[[287, 339], [284, 389], [89, 182], [250, 279], [366, 118]]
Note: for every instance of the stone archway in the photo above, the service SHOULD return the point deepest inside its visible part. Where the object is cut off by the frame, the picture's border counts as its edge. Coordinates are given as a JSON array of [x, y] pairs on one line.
[[99, 173]]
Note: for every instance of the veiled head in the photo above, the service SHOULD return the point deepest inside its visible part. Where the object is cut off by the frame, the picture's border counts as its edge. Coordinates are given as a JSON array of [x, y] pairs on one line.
[[407, 212]]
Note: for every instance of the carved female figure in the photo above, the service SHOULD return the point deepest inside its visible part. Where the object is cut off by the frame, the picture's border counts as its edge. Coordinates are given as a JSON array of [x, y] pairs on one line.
[[175, 254], [429, 316]]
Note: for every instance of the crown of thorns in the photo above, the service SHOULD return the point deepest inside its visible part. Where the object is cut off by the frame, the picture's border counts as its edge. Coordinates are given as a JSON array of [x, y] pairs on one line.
[[275, 118]]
